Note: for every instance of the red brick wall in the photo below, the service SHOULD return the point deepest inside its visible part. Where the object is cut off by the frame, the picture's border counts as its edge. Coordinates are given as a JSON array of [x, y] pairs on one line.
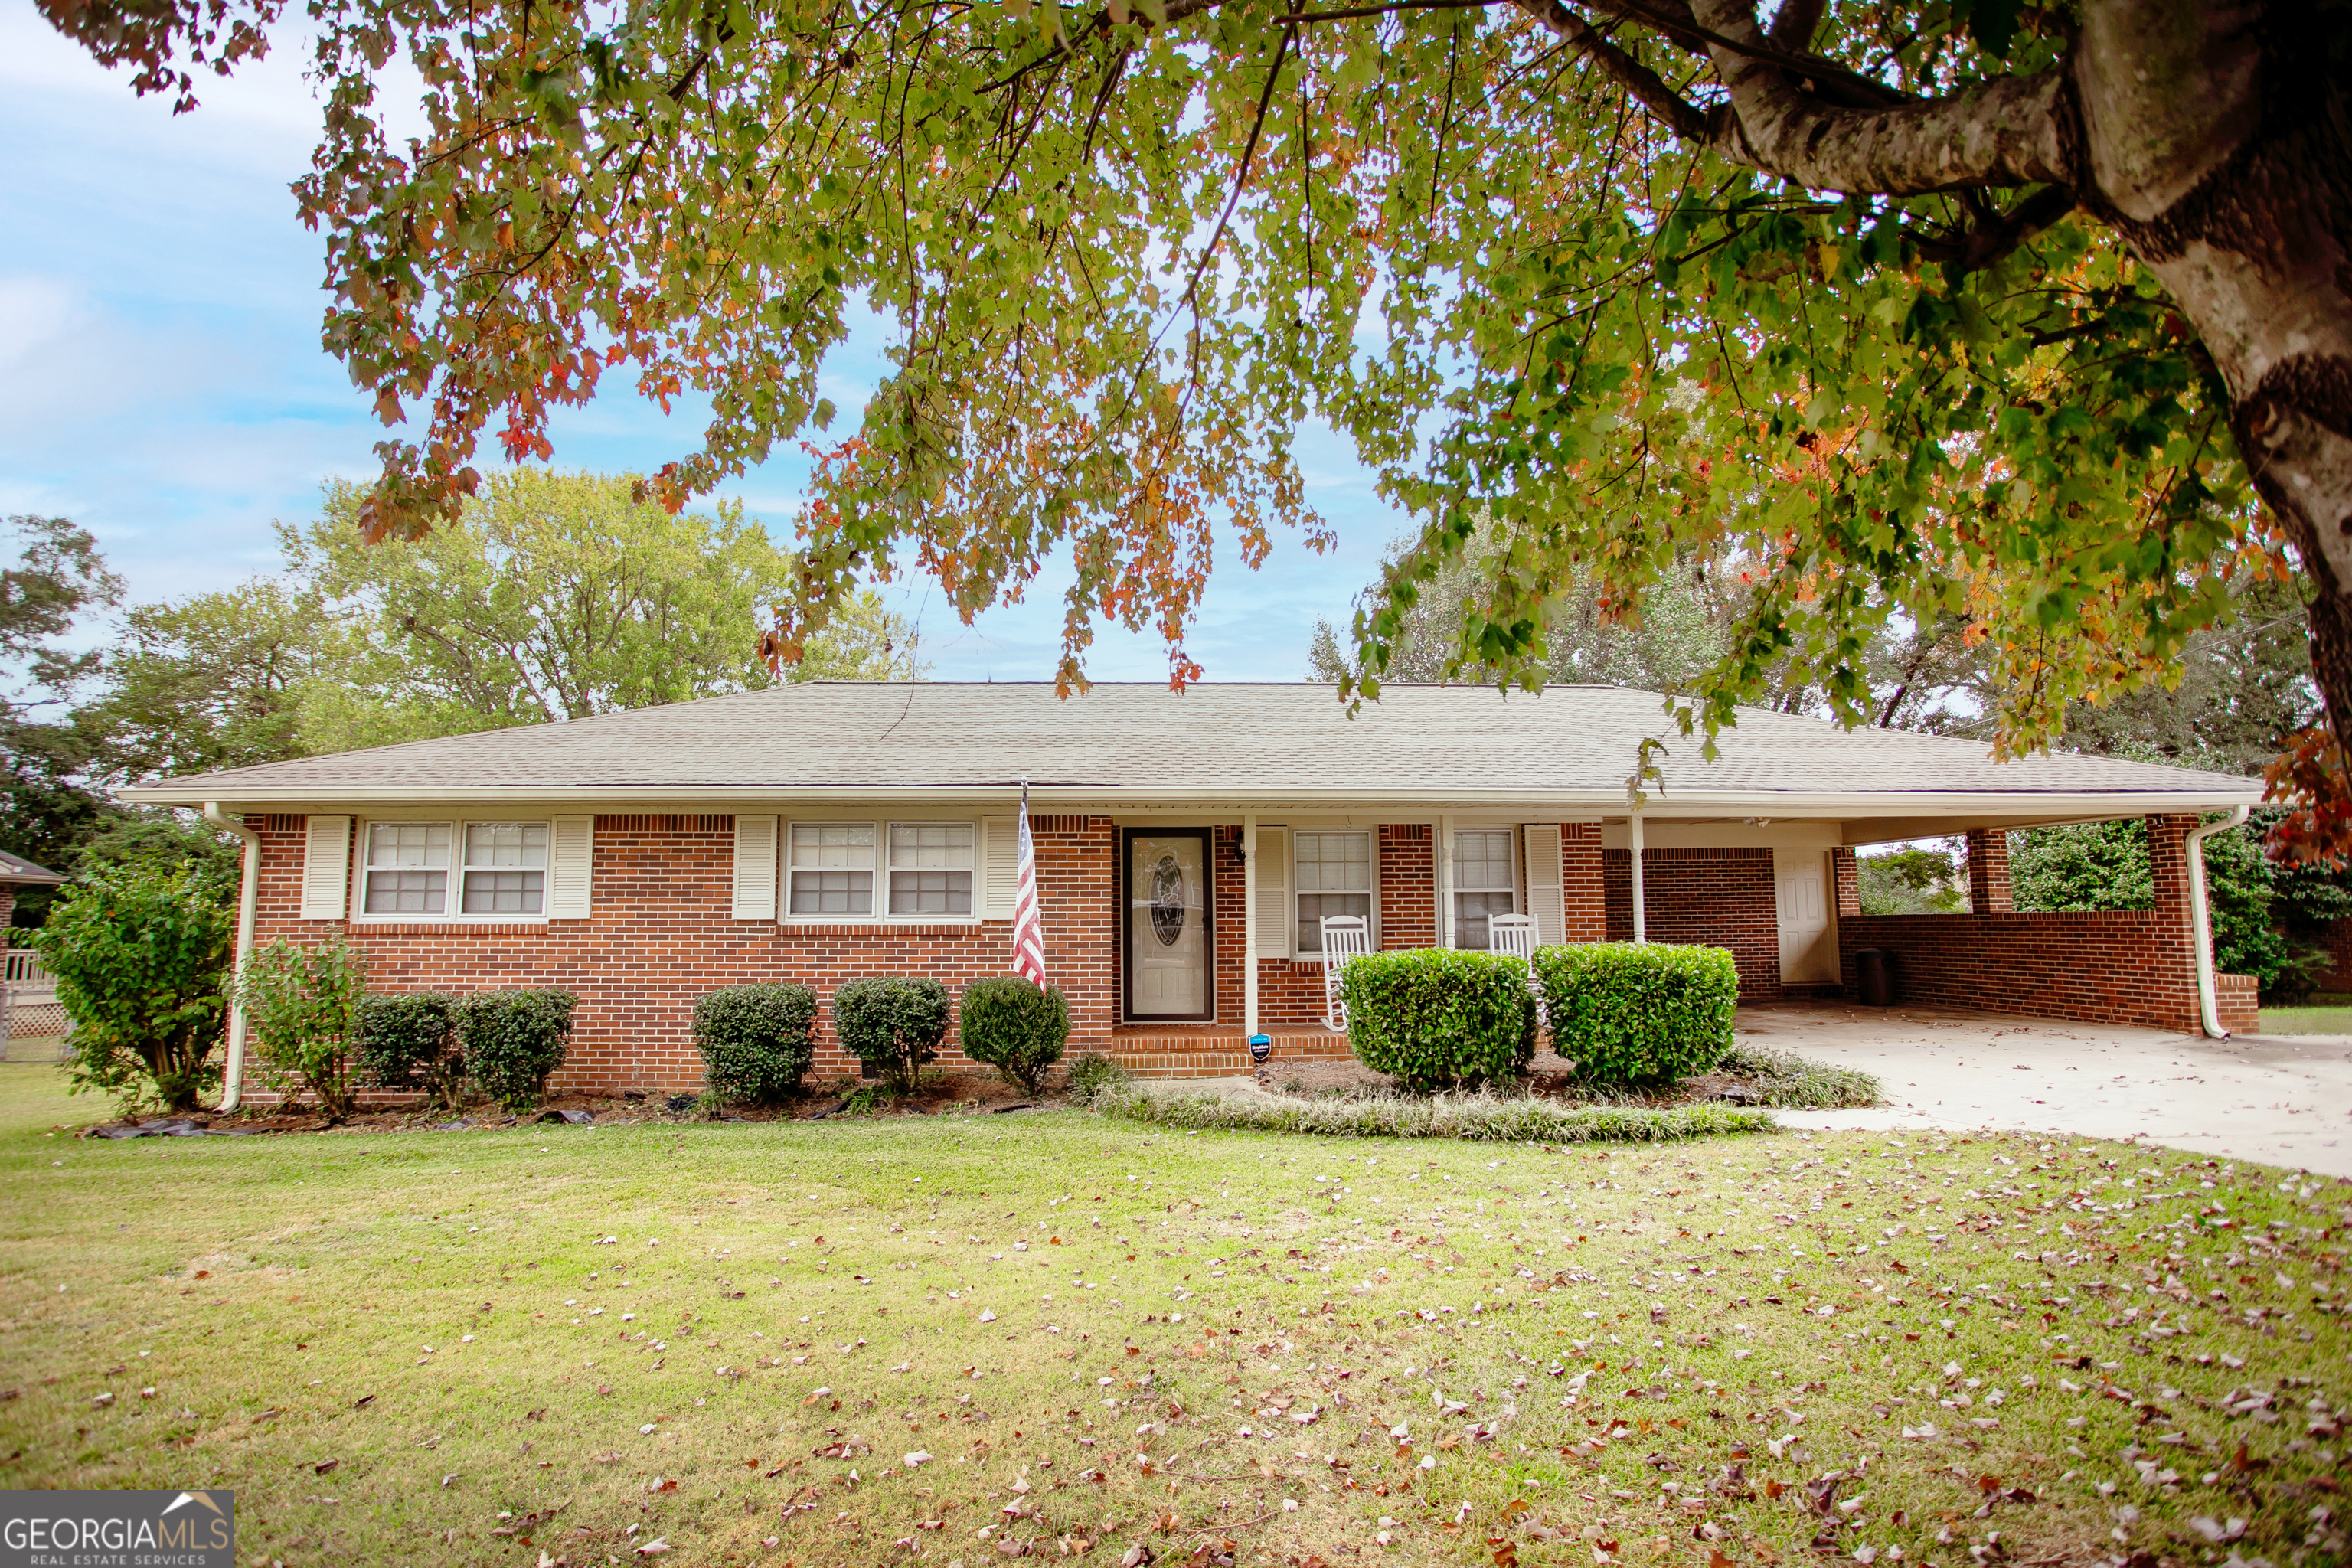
[[1720, 898], [1582, 882], [1407, 915], [2111, 966], [661, 934]]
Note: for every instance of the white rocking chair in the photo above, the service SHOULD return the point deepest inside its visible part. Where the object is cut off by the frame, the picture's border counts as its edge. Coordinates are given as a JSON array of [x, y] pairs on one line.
[[1514, 936], [1344, 937]]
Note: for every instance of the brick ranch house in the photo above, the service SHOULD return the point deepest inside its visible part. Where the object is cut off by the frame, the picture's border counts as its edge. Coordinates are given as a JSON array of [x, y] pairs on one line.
[[1187, 845]]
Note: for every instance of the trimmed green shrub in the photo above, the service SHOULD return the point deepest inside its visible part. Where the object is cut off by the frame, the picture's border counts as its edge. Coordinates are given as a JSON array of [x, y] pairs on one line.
[[514, 1040], [892, 1023], [1015, 1027], [141, 955], [1436, 1018], [409, 1040], [302, 1010], [1628, 1013], [756, 1040]]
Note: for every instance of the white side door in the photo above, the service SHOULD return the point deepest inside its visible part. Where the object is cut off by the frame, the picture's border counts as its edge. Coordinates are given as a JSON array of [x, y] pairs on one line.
[[1808, 941]]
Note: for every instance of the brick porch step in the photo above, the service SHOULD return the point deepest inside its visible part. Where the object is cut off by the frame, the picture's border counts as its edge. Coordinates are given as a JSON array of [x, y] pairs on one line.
[[1224, 1053]]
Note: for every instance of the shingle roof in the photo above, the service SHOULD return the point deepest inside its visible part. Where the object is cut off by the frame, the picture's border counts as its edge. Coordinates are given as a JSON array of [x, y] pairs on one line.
[[17, 869], [1143, 741]]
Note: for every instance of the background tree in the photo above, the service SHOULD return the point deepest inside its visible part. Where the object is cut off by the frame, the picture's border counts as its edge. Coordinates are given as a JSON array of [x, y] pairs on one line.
[[46, 806], [556, 595]]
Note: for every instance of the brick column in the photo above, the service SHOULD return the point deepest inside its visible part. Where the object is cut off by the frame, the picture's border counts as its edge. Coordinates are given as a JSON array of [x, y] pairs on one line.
[[8, 905], [1988, 872], [2168, 862], [1848, 879]]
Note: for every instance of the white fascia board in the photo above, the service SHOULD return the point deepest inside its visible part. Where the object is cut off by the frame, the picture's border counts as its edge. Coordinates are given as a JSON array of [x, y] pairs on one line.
[[1548, 805]]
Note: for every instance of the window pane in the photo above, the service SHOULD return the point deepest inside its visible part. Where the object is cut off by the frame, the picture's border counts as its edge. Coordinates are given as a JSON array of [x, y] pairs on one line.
[[1313, 907], [930, 893], [515, 843], [943, 845], [1470, 912], [1334, 862], [828, 845], [504, 892], [834, 892], [406, 892], [1481, 863], [417, 844]]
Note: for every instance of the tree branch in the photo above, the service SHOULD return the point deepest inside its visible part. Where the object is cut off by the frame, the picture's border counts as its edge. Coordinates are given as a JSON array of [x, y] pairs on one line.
[[1647, 88], [1794, 24], [2006, 132], [1988, 242]]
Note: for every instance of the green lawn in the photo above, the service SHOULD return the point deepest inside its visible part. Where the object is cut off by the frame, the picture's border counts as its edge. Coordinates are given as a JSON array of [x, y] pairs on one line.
[[2332, 1020], [423, 1349]]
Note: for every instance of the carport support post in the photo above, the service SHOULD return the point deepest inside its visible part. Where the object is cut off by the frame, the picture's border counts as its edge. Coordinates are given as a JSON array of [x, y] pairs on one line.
[[1249, 924], [1634, 842]]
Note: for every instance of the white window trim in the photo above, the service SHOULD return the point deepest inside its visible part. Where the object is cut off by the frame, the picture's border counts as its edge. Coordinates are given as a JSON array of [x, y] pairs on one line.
[[455, 894], [1454, 890], [881, 915], [1371, 923]]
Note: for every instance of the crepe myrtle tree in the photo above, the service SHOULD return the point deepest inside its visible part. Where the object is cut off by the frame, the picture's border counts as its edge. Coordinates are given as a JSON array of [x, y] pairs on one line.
[[2041, 316]]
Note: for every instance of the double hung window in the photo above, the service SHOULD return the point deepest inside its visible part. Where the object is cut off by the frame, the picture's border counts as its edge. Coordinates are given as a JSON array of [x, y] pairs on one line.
[[406, 869], [831, 870], [1485, 884], [1335, 877], [925, 870], [501, 869]]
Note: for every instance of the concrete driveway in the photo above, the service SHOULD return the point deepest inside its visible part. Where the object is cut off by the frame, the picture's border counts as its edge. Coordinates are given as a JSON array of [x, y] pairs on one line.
[[2282, 1100]]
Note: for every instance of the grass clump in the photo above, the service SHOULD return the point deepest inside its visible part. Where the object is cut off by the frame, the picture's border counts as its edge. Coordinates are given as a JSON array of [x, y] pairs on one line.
[[1477, 1116], [1797, 1083], [1093, 1073]]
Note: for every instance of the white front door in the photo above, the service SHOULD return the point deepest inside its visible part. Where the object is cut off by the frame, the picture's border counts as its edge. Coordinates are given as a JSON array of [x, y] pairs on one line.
[[1168, 924], [1808, 946]]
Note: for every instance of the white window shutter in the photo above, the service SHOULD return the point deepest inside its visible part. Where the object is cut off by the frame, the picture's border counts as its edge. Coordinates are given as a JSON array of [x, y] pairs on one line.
[[326, 867], [1547, 900], [1001, 839], [570, 856], [1274, 912], [755, 868]]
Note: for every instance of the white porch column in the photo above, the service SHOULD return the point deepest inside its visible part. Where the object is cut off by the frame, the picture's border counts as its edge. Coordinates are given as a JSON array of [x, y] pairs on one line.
[[1249, 924], [1633, 842], [1443, 882]]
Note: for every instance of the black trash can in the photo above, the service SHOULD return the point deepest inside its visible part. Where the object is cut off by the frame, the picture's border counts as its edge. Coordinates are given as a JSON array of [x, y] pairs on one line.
[[1875, 977]]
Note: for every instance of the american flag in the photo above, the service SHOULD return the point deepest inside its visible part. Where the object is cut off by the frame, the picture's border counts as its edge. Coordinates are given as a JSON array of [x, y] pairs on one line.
[[1028, 930]]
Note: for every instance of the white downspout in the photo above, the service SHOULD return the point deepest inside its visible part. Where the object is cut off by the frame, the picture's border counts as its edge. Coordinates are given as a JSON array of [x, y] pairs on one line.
[[232, 1081], [1641, 912], [2201, 920], [1249, 924]]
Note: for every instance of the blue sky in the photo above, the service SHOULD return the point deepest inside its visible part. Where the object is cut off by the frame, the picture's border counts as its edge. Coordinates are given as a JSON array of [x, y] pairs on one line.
[[162, 381]]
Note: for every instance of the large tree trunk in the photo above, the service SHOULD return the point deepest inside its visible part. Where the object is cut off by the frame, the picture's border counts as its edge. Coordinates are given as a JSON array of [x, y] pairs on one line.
[[2217, 140]]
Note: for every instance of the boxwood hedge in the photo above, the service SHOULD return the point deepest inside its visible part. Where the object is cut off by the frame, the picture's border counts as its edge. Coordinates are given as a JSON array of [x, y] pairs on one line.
[[1628, 1012], [1014, 1027], [1437, 1018]]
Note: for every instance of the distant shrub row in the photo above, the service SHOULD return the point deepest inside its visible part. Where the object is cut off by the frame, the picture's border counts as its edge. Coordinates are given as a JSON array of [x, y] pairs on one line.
[[1622, 1012]]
